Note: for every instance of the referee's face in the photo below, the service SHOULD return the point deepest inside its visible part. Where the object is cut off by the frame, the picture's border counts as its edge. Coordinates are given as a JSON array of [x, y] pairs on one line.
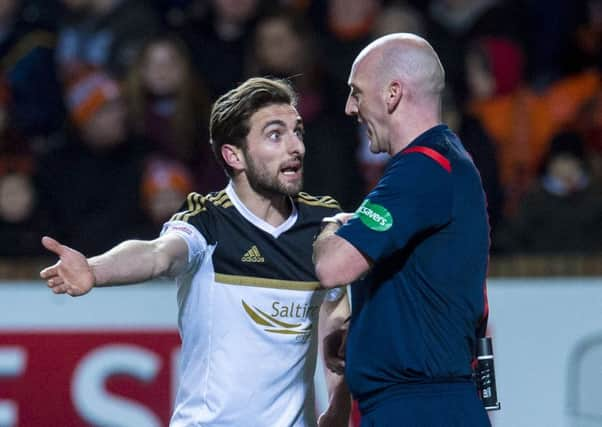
[[366, 103], [274, 151]]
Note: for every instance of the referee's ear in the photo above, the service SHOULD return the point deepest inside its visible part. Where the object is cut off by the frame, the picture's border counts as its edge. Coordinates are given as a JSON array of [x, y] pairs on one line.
[[394, 95], [233, 157]]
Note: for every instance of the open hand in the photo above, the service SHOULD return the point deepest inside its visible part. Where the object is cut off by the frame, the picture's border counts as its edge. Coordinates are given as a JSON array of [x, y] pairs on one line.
[[71, 275]]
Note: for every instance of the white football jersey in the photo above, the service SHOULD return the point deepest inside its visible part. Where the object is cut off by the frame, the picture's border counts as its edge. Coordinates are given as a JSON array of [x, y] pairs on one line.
[[248, 313]]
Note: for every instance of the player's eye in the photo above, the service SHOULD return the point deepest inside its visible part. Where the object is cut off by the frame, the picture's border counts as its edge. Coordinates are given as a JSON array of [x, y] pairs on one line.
[[300, 132], [274, 135]]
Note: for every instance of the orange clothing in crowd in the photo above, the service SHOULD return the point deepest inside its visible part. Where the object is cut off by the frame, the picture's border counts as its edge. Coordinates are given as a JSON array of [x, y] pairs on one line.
[[523, 122]]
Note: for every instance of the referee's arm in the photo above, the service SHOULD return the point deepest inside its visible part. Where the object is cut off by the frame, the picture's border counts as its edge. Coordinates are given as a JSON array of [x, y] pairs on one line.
[[337, 262]]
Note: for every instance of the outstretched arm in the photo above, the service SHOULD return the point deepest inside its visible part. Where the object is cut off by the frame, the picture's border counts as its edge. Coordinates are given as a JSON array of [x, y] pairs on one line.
[[333, 315], [129, 262]]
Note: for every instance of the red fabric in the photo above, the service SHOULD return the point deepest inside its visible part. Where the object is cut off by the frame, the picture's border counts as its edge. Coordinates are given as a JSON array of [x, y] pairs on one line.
[[355, 415], [507, 63]]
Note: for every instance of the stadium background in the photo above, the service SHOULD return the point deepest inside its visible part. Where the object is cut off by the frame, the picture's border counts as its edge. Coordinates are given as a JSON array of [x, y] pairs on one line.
[[524, 93]]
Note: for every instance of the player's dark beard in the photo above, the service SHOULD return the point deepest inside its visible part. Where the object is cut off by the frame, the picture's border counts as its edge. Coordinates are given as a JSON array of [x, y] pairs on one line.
[[263, 183]]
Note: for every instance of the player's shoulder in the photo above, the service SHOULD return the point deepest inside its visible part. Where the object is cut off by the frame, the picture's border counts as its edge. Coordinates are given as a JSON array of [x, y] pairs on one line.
[[314, 208], [198, 205], [307, 201]]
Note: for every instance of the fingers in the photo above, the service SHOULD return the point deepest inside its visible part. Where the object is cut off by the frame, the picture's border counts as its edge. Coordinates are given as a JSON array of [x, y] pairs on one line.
[[49, 272], [53, 245], [55, 281], [61, 289], [64, 288], [344, 216], [336, 365]]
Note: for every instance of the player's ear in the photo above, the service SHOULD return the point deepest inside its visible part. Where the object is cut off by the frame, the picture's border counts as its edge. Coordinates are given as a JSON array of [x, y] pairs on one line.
[[393, 95], [233, 157]]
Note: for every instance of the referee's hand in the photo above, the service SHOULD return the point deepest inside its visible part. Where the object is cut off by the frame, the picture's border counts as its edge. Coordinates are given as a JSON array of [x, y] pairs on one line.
[[71, 275], [340, 218]]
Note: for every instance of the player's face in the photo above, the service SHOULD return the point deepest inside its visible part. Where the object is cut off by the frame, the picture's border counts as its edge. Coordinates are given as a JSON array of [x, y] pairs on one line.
[[275, 150], [366, 104]]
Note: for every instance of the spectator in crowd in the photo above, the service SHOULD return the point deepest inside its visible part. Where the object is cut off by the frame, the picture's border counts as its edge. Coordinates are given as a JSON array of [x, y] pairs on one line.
[[165, 184], [284, 47], [91, 175], [398, 16], [561, 40], [169, 109], [218, 39], [584, 44], [27, 63], [453, 24], [105, 34], [22, 217], [343, 28], [520, 120], [495, 81], [22, 222], [526, 73], [562, 213]]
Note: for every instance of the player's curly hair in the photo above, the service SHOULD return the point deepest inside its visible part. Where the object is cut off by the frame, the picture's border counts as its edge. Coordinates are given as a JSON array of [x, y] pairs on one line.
[[229, 121]]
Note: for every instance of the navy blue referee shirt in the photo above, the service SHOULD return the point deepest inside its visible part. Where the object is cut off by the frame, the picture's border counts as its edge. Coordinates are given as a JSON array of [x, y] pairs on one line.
[[417, 311]]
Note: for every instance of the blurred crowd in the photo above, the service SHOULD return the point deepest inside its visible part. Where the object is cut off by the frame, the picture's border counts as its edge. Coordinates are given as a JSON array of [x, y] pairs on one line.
[[104, 108]]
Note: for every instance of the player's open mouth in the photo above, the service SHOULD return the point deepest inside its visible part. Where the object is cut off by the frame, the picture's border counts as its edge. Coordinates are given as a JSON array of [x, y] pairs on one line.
[[291, 169]]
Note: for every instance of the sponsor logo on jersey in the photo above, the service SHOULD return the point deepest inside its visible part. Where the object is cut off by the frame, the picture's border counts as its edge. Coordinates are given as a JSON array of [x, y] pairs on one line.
[[252, 255], [295, 314], [375, 217]]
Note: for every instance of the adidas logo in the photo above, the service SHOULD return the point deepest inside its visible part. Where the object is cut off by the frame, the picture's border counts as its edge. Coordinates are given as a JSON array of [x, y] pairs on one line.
[[252, 255]]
